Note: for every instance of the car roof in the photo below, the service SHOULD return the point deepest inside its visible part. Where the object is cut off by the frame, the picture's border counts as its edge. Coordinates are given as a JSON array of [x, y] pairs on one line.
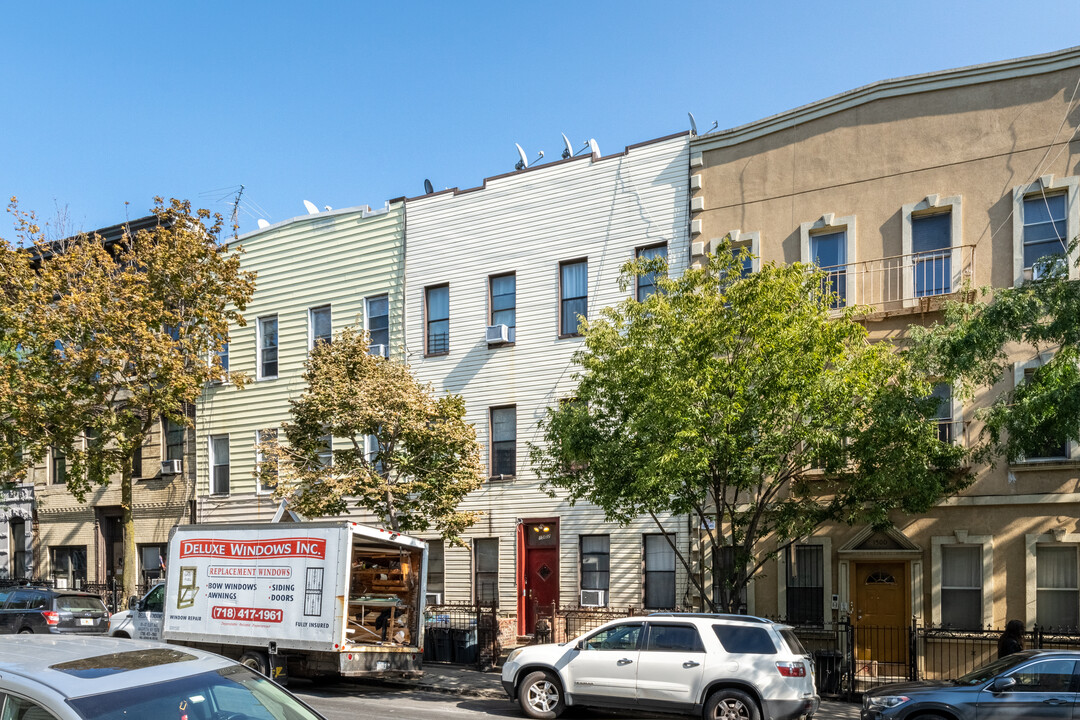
[[35, 657], [726, 617]]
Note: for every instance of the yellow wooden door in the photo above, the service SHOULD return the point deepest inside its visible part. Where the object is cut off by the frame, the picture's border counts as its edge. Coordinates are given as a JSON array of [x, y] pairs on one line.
[[881, 618]]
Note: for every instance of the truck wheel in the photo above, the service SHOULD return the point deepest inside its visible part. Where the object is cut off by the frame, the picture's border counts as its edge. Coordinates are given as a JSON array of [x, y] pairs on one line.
[[540, 696], [257, 661], [26, 631], [731, 704], [122, 634]]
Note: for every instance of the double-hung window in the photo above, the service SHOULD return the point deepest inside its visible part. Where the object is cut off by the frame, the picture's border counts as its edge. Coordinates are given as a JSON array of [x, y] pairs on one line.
[[1045, 228], [325, 454], [725, 576], [1049, 448], [504, 441], [377, 312], [503, 290], [646, 284], [659, 573], [219, 464], [437, 317], [944, 415], [829, 252], [174, 439], [486, 556], [595, 562], [58, 466], [268, 347], [267, 470], [1057, 592], [320, 325], [961, 586], [931, 247], [573, 296], [805, 584], [435, 568], [17, 531]]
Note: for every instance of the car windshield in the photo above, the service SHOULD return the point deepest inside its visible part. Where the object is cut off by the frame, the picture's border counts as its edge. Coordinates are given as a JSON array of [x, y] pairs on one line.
[[991, 670], [234, 692]]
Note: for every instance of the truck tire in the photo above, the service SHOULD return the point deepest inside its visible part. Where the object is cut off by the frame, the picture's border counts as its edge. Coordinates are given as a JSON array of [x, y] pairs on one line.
[[540, 696], [122, 634], [257, 661], [731, 703]]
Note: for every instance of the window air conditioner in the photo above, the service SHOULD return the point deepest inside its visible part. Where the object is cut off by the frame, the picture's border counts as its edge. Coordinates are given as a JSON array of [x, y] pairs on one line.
[[593, 598], [379, 350], [170, 467], [498, 334], [433, 599]]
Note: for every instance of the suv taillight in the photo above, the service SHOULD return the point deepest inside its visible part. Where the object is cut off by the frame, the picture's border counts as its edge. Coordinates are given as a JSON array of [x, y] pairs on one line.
[[791, 669], [52, 618]]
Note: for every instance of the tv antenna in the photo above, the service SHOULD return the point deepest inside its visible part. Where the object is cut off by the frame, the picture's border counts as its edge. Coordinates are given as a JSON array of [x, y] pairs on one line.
[[523, 160], [428, 189], [236, 207]]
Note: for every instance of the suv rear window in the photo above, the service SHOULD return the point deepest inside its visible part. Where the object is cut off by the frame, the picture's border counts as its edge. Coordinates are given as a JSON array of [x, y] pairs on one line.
[[740, 639], [793, 643], [79, 602]]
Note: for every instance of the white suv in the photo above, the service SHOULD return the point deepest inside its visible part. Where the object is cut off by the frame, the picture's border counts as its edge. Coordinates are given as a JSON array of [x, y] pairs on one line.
[[721, 667]]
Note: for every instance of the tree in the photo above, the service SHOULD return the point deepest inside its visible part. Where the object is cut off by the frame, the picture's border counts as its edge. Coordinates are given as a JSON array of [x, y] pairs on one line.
[[974, 345], [749, 404], [398, 452], [104, 338]]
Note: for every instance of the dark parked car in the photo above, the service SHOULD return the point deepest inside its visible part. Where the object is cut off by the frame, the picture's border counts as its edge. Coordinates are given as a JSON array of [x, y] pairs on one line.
[[43, 610], [1031, 684]]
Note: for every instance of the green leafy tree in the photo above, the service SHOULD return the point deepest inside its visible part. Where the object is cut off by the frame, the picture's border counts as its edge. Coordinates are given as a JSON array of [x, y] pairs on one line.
[[101, 339], [398, 451], [976, 342], [752, 406]]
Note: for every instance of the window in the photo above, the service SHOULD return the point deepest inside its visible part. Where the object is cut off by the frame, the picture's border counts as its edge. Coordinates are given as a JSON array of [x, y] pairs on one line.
[[619, 638], [437, 314], [371, 452], [573, 296], [504, 441], [943, 392], [267, 470], [646, 284], [325, 454], [1046, 217], [174, 439], [151, 563], [595, 562], [961, 586], [503, 289], [1045, 676], [68, 566], [659, 573], [435, 567], [223, 358], [829, 252], [268, 348], [377, 310], [741, 639], [805, 584], [1057, 594], [486, 557], [724, 582], [320, 328], [1048, 449], [17, 530], [136, 463], [1045, 228], [931, 248], [219, 464], [674, 638], [58, 466]]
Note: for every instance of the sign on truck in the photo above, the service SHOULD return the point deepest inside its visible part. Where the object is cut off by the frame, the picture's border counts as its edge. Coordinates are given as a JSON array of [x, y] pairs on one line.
[[311, 598]]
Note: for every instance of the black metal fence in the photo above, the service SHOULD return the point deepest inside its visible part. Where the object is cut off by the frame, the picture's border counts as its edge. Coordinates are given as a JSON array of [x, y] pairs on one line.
[[111, 593], [462, 634]]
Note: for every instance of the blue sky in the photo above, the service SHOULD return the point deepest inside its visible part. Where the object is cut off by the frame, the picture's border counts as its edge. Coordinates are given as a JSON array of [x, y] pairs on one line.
[[350, 103]]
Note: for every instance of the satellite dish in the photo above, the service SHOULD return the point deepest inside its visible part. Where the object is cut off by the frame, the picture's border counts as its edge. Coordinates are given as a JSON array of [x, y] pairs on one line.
[[594, 147], [568, 151], [428, 189], [312, 210], [523, 162], [693, 124], [263, 223]]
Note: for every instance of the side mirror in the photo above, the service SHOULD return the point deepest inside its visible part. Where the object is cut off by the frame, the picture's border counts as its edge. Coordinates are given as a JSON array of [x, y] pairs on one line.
[[579, 645], [133, 603], [1003, 684]]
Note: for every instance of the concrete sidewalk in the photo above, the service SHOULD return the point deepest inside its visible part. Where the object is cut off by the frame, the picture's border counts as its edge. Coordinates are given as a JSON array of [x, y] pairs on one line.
[[458, 680]]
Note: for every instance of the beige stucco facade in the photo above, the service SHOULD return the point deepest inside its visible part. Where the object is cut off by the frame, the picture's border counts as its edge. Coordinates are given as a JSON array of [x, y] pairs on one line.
[[971, 144]]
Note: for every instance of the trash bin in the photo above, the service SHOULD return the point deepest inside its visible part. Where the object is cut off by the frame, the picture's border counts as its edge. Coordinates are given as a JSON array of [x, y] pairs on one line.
[[437, 645], [464, 642], [827, 669]]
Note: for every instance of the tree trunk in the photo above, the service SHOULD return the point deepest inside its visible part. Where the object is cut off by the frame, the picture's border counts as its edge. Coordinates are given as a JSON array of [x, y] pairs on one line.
[[131, 557]]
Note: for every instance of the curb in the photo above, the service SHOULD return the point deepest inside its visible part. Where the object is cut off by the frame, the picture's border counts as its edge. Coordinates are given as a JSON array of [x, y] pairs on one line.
[[464, 691]]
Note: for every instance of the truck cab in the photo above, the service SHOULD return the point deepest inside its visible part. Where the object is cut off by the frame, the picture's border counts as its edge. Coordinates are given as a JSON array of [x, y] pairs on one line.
[[143, 619]]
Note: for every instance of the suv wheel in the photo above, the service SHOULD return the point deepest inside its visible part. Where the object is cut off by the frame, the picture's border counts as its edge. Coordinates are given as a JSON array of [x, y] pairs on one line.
[[731, 704], [26, 631], [540, 696]]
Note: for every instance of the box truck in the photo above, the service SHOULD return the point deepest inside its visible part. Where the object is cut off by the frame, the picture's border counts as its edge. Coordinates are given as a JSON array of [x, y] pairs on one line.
[[307, 599]]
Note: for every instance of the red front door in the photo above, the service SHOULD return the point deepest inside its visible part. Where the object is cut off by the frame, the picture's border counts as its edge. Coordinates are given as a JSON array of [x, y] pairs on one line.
[[540, 580]]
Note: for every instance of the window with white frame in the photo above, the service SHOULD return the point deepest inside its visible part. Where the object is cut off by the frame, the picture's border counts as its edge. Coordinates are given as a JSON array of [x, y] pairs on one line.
[[377, 313], [18, 554], [1045, 218], [58, 466], [371, 452], [961, 586], [219, 464], [573, 296], [748, 241], [268, 347], [504, 441], [502, 294], [646, 284], [320, 326], [325, 454], [436, 563], [486, 559], [944, 414], [1048, 449], [437, 320], [223, 358], [174, 433], [828, 251], [1057, 594], [267, 470], [805, 591], [931, 253], [595, 562], [659, 572]]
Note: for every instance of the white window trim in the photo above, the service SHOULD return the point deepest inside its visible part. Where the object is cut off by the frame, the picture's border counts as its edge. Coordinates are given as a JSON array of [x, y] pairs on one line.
[[259, 348], [311, 328], [826, 582], [259, 489], [1018, 379], [960, 537], [932, 205], [956, 409], [211, 464], [1045, 184], [829, 223], [738, 237], [1031, 542]]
